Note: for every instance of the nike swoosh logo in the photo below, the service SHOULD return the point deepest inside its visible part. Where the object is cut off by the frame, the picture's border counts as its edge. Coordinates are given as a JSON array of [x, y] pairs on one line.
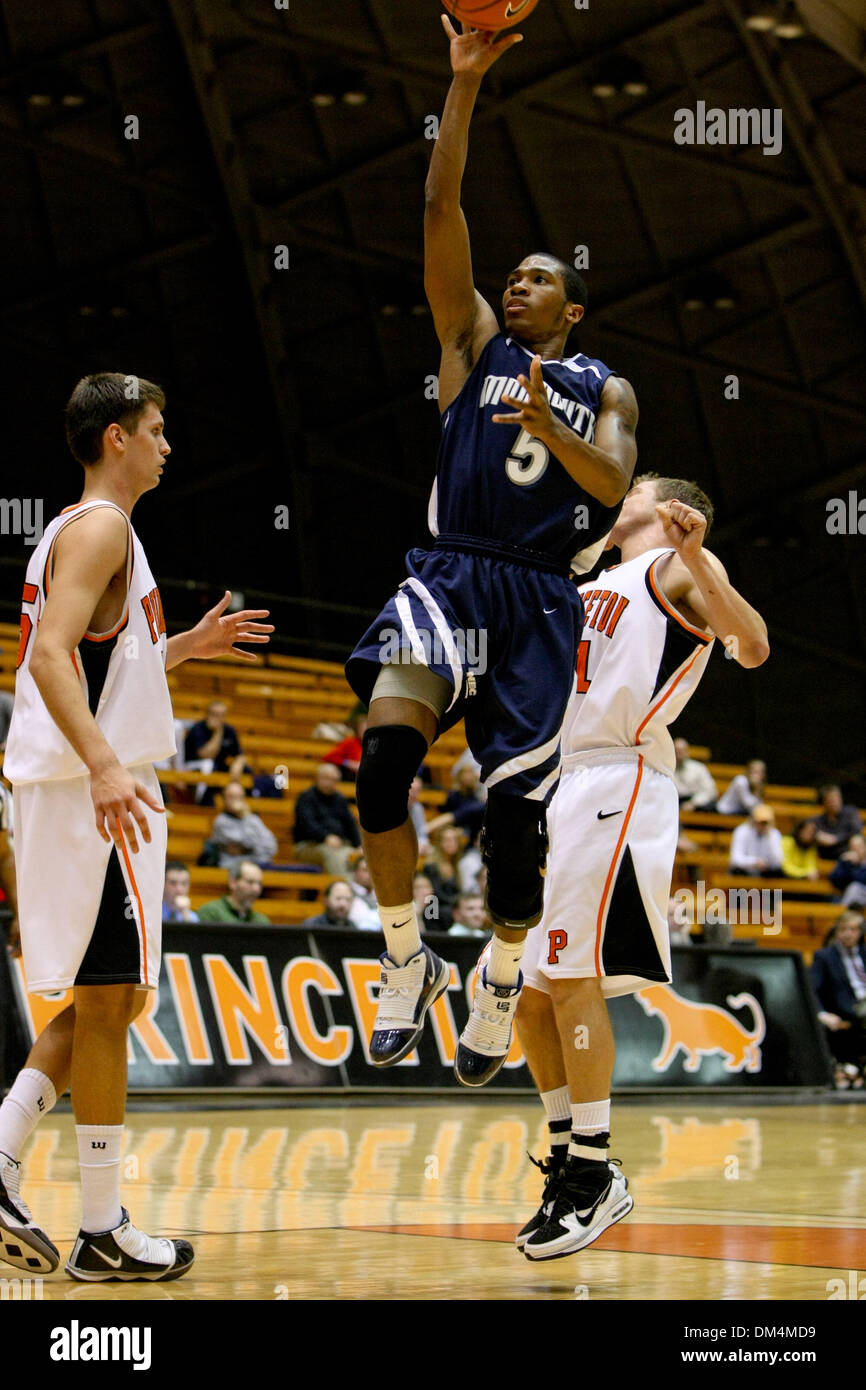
[[605, 815], [548, 610], [403, 924], [511, 10], [115, 1264]]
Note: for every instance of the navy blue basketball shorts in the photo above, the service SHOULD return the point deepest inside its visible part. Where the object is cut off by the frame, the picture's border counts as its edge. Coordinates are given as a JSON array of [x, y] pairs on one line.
[[504, 635]]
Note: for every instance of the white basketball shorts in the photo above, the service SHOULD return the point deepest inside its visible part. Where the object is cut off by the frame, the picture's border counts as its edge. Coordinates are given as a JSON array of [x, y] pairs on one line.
[[90, 913], [613, 826]]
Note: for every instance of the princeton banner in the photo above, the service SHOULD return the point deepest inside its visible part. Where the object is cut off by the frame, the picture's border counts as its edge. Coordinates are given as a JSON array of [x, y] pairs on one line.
[[281, 1007]]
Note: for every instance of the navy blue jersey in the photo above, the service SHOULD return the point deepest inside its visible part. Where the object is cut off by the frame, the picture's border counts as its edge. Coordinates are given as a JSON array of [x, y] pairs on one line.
[[497, 483]]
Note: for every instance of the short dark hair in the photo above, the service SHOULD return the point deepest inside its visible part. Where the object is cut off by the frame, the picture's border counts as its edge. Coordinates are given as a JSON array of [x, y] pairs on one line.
[[106, 398], [576, 291], [336, 884], [828, 787], [666, 489], [176, 866]]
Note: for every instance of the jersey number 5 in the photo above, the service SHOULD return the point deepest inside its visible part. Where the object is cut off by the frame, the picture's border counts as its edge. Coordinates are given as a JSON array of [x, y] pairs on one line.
[[527, 460]]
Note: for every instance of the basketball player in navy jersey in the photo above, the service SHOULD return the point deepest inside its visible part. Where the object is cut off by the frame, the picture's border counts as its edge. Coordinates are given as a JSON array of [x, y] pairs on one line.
[[614, 824], [537, 452], [92, 714]]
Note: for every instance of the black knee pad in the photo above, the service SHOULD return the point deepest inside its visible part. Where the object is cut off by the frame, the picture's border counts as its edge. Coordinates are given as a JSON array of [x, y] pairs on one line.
[[514, 848], [391, 756]]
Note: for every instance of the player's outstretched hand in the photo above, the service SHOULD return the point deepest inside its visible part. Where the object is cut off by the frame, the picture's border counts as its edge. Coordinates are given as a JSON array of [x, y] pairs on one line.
[[218, 631], [117, 798], [474, 50], [535, 414], [684, 527]]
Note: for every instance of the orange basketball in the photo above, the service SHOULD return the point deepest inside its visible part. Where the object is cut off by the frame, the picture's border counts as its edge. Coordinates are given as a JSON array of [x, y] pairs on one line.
[[490, 14]]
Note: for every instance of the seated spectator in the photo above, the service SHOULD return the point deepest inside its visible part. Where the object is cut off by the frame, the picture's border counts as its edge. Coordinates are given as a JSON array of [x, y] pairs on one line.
[[245, 885], [693, 780], [756, 845], [339, 900], [464, 806], [836, 823], [839, 981], [325, 830], [470, 918], [175, 894], [469, 867], [418, 818], [347, 754], [848, 876], [467, 760], [364, 914], [426, 903], [212, 745], [442, 870], [746, 790], [239, 831], [799, 852]]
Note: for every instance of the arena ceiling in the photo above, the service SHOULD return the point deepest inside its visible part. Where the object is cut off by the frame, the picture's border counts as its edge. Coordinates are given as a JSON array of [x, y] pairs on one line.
[[156, 153]]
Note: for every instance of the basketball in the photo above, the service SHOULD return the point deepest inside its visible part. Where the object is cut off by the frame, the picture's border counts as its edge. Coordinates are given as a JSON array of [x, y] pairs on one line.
[[490, 14]]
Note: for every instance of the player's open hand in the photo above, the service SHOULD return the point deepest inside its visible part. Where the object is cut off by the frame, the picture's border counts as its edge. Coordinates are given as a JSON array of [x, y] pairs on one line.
[[535, 414], [684, 527], [218, 631], [117, 801], [474, 50]]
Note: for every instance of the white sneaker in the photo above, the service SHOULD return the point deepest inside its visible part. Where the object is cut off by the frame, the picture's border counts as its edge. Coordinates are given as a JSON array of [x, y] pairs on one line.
[[406, 992], [22, 1243], [127, 1253], [485, 1040], [590, 1197]]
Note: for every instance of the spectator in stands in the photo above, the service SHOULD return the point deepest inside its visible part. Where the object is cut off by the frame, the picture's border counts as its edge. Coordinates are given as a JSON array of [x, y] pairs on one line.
[[418, 818], [442, 870], [693, 780], [426, 903], [799, 852], [839, 980], [245, 885], [325, 831], [836, 823], [239, 831], [746, 790], [469, 867], [469, 917], [756, 845], [364, 913], [8, 881], [175, 894], [212, 745], [339, 901], [464, 806], [848, 876], [466, 760], [347, 754]]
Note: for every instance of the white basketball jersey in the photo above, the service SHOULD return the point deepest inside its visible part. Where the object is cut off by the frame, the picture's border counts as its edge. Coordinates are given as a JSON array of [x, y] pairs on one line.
[[121, 672], [637, 664]]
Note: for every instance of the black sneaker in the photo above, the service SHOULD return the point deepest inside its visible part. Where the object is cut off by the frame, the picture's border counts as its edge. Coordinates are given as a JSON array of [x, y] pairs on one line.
[[127, 1253], [552, 1171], [406, 992], [590, 1197], [22, 1243]]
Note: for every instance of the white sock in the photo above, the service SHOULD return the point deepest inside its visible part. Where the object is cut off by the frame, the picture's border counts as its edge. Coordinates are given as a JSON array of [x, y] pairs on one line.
[[32, 1095], [557, 1108], [504, 965], [99, 1156], [588, 1119], [402, 937]]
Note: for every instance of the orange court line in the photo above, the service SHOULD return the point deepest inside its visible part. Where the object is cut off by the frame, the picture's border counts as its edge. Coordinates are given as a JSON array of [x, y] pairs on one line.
[[839, 1248]]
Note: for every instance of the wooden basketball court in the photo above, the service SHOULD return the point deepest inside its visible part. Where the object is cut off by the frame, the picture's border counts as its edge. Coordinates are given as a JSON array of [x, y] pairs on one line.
[[741, 1200]]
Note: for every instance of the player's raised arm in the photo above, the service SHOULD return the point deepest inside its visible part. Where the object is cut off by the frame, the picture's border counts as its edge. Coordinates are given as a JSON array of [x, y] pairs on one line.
[[463, 320], [696, 580]]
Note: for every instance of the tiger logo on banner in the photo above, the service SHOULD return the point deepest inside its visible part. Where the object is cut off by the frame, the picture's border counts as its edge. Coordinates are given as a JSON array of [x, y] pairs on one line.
[[701, 1030]]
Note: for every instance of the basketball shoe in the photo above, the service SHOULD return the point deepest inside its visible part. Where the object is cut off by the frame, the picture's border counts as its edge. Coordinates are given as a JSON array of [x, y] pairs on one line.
[[22, 1243], [552, 1171], [127, 1253], [485, 1040], [590, 1197], [406, 992]]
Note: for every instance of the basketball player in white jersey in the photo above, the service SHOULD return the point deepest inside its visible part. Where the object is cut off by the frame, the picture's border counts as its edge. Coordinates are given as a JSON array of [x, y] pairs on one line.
[[92, 714], [614, 823]]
